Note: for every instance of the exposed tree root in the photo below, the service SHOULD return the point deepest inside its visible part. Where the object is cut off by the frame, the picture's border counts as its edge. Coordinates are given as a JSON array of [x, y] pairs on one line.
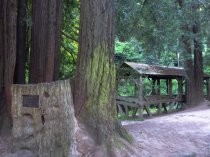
[[118, 145]]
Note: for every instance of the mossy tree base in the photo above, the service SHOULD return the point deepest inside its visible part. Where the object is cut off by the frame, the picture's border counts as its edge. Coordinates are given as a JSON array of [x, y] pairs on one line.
[[114, 146]]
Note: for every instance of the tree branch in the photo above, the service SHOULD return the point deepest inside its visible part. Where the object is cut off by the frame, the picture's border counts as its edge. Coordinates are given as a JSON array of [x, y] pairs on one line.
[[68, 36], [66, 49]]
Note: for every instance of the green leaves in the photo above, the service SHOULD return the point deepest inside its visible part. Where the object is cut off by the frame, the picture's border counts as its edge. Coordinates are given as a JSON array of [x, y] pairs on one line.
[[70, 37], [158, 27]]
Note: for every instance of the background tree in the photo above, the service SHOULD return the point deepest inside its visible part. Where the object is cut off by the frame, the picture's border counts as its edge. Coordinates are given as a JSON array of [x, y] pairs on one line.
[[169, 27], [20, 67], [7, 51], [69, 41], [193, 14], [45, 40]]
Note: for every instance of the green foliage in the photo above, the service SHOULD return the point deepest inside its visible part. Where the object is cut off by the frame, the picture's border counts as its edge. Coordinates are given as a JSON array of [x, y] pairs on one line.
[[126, 88], [146, 31], [129, 51], [133, 51], [70, 35], [158, 26]]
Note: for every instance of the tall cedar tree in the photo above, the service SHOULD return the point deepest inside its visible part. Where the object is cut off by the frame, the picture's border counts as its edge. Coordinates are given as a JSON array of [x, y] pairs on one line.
[[46, 20], [7, 49], [94, 94], [193, 66]]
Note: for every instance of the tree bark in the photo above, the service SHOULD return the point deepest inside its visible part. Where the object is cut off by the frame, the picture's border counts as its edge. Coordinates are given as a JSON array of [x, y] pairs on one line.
[[94, 98], [46, 17], [7, 51], [193, 66], [189, 69], [198, 64], [8, 45], [21, 42], [94, 89], [58, 39]]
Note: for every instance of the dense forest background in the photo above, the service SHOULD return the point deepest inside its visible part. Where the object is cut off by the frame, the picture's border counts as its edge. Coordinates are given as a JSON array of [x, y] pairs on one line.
[[170, 33], [146, 32], [48, 40]]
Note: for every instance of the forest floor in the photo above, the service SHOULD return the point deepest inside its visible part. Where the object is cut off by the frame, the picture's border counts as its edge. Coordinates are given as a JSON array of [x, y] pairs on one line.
[[180, 134]]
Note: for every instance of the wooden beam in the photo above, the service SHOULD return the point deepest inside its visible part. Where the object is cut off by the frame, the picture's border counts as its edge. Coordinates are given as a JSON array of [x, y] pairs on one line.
[[158, 86], [180, 86], [208, 89], [140, 95], [147, 110], [170, 85], [153, 86]]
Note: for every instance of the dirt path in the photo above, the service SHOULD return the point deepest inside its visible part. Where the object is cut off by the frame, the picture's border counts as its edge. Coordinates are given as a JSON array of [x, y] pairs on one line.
[[5, 143], [184, 134]]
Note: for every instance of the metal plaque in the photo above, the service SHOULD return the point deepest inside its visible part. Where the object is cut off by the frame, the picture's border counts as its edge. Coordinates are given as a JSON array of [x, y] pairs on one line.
[[31, 101]]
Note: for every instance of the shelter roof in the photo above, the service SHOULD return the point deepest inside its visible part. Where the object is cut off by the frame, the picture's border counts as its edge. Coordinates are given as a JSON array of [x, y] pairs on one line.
[[153, 70]]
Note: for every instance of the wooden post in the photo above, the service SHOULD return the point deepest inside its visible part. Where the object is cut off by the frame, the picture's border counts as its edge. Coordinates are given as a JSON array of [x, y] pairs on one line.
[[136, 92], [153, 86], [158, 86], [167, 89], [140, 93], [180, 92], [158, 93], [170, 85], [208, 88], [180, 87]]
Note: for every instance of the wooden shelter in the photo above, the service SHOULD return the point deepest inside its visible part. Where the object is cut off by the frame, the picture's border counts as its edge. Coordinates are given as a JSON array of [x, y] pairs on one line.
[[136, 73]]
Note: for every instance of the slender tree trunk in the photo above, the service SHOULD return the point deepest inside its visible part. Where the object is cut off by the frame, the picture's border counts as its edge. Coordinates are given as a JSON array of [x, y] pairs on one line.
[[21, 42], [46, 17]]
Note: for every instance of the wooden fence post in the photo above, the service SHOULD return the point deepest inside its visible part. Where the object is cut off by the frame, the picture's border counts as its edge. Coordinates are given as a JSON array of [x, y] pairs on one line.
[[208, 88]]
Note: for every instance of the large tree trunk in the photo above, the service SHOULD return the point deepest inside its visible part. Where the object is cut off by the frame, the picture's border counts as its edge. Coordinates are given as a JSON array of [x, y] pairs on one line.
[[21, 42], [198, 65], [46, 17], [189, 69], [193, 66], [7, 50], [94, 98], [94, 92]]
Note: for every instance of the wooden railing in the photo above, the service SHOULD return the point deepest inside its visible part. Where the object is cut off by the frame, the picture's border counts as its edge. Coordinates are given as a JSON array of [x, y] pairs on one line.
[[160, 100]]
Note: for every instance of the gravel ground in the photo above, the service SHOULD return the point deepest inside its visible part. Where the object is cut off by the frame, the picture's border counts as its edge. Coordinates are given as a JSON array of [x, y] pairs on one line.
[[182, 134]]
